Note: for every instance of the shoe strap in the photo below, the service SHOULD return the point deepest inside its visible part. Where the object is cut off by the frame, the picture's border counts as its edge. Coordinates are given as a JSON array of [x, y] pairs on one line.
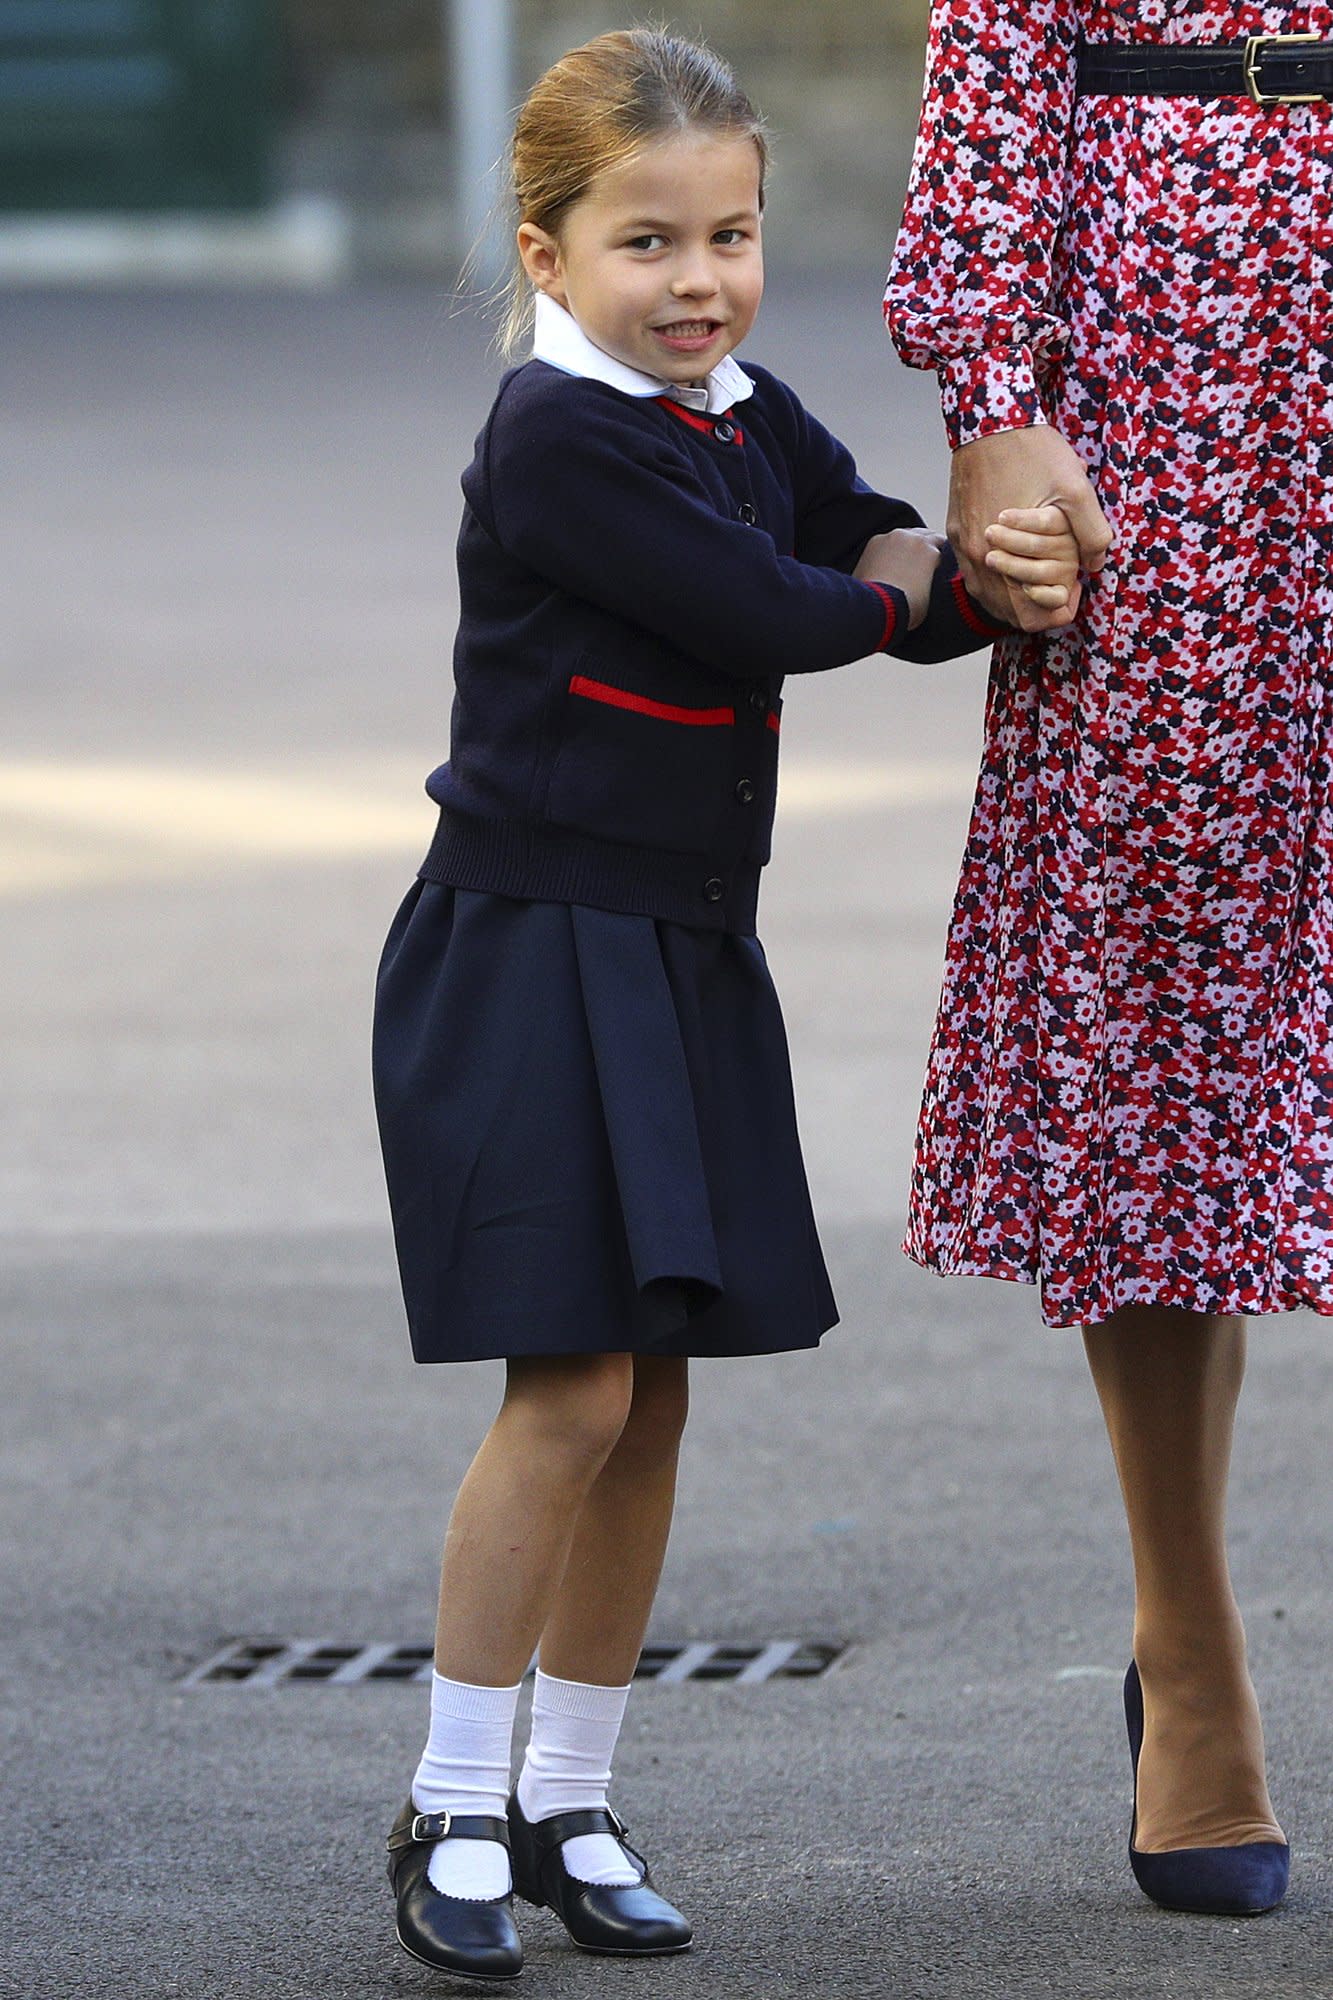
[[425, 1829], [549, 1834]]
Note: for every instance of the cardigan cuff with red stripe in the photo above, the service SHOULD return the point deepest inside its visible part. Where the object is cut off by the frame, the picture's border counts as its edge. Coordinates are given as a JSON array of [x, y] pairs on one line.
[[954, 623], [897, 611]]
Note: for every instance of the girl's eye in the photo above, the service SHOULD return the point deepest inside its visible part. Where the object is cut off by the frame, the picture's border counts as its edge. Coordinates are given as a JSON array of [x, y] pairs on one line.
[[644, 242], [727, 237]]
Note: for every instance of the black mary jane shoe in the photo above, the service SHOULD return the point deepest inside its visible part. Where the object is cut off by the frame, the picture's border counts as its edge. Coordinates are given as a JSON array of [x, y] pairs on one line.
[[475, 1938], [633, 1920]]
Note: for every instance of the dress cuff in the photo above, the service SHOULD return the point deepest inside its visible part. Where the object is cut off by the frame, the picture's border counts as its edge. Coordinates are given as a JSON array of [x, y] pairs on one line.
[[994, 391]]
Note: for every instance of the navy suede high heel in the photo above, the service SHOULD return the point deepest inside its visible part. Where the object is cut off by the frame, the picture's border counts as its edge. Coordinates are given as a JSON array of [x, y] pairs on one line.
[[1211, 1881]]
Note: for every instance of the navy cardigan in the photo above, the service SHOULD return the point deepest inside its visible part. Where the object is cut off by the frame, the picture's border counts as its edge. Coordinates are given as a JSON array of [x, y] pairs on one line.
[[636, 580]]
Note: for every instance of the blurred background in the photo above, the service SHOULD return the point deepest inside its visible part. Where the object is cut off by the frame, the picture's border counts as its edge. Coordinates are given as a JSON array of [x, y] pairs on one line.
[[359, 137]]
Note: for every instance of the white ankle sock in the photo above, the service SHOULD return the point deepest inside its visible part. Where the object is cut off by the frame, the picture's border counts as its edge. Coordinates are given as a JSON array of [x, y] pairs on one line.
[[567, 1768], [464, 1768]]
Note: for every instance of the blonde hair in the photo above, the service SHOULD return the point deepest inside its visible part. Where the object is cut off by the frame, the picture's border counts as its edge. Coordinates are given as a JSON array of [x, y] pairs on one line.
[[594, 109]]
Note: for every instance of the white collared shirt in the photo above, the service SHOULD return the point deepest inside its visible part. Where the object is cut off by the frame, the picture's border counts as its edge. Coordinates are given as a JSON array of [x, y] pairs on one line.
[[559, 340]]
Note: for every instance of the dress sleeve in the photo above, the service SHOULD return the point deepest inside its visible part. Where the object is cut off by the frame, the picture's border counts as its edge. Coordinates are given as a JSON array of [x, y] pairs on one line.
[[969, 292]]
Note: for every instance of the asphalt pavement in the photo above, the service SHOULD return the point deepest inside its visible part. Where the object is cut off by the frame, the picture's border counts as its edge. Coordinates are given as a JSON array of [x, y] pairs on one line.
[[228, 527]]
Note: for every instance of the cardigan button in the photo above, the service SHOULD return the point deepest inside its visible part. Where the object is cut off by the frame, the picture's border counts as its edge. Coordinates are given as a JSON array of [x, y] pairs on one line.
[[724, 432], [759, 701], [748, 513], [713, 890], [745, 791]]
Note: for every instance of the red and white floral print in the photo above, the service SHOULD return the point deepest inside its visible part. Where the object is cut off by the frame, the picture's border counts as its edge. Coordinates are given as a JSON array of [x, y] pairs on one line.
[[1130, 1090]]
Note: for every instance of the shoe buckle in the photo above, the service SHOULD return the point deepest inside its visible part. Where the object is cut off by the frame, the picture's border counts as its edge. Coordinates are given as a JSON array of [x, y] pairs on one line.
[[427, 1828], [1254, 55], [616, 1821]]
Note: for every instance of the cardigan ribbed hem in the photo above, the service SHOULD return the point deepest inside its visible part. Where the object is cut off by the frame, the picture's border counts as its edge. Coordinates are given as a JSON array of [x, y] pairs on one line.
[[550, 864]]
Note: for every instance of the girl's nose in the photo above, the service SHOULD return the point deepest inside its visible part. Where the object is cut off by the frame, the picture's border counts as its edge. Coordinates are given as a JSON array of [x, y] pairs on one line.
[[694, 280]]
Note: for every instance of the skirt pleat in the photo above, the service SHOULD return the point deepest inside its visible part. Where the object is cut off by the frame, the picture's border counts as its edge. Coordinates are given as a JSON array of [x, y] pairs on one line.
[[589, 1135]]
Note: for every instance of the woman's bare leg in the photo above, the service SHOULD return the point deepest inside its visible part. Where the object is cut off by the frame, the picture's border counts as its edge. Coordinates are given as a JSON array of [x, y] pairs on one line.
[[1169, 1383], [508, 1541]]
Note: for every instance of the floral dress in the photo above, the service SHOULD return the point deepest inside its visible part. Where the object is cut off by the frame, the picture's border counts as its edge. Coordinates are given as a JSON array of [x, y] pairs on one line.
[[1130, 1089]]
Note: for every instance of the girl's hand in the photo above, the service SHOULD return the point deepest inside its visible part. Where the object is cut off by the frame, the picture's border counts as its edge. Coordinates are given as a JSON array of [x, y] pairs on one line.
[[1022, 469], [1034, 549], [908, 559]]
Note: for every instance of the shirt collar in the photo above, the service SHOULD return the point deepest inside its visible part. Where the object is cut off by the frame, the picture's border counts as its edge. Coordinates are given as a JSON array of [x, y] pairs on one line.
[[559, 340]]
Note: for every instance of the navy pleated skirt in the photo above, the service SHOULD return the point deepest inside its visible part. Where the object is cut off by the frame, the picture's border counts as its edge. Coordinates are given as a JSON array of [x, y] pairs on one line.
[[589, 1135]]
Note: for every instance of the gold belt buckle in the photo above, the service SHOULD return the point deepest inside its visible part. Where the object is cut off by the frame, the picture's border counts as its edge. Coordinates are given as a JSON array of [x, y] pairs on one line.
[[1254, 51]]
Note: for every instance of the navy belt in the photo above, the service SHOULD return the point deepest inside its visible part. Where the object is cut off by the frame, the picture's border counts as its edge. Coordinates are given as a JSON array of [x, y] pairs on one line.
[[1271, 69]]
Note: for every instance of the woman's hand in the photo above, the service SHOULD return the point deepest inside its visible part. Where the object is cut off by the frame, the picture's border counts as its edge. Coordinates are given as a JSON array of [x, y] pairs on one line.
[[908, 559], [1021, 470]]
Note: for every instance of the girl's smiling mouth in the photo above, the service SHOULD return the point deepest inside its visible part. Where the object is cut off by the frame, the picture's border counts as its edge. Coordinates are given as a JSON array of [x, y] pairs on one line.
[[688, 336]]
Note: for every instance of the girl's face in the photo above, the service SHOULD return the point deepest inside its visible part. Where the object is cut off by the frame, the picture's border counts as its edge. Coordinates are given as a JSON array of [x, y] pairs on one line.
[[660, 262]]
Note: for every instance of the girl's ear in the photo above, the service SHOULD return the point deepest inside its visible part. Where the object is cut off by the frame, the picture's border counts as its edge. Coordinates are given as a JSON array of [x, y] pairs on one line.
[[539, 253]]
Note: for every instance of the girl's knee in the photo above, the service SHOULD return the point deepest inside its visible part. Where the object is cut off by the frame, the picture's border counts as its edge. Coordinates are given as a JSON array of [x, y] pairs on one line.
[[576, 1405]]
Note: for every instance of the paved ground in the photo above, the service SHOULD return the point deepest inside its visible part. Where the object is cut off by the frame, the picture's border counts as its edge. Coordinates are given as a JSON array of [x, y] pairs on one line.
[[225, 671]]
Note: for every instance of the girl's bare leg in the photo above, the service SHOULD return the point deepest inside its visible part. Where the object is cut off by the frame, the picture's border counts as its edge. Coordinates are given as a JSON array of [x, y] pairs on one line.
[[595, 1627], [1169, 1383], [508, 1540]]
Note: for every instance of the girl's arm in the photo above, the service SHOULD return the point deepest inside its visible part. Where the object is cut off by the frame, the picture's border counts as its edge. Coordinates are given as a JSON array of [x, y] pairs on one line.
[[587, 498], [952, 622], [843, 522], [969, 293], [837, 513]]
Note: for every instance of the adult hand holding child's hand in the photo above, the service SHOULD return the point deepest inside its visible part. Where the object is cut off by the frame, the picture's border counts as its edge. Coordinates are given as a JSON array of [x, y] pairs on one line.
[[1022, 472]]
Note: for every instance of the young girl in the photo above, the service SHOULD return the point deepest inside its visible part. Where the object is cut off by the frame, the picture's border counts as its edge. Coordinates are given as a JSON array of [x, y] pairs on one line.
[[581, 1071]]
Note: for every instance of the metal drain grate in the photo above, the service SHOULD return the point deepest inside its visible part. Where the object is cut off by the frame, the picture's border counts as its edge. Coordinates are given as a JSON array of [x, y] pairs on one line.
[[714, 1660], [265, 1662]]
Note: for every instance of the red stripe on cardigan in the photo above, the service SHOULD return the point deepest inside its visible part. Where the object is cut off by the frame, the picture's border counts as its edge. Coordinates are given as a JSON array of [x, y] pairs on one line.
[[890, 611], [665, 711], [774, 720], [698, 422], [975, 619]]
